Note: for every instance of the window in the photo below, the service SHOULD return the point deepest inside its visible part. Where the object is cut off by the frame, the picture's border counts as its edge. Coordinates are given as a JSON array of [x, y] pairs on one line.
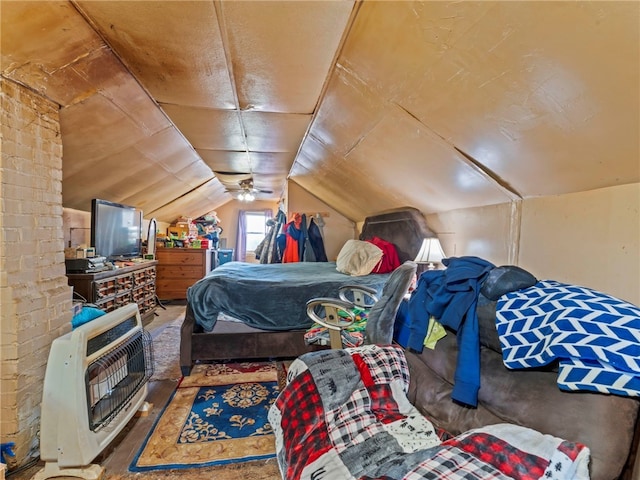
[[256, 229]]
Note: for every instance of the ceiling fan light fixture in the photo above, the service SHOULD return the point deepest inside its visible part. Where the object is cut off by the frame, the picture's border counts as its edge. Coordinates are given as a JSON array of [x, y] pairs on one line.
[[246, 196]]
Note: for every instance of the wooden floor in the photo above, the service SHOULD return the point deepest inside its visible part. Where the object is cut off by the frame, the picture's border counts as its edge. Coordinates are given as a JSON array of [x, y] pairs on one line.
[[118, 456]]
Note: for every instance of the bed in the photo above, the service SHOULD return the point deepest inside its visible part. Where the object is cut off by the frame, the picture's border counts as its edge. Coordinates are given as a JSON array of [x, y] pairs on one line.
[[246, 311]]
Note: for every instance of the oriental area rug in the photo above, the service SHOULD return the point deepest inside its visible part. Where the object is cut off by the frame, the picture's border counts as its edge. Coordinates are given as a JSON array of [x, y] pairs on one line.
[[216, 416]]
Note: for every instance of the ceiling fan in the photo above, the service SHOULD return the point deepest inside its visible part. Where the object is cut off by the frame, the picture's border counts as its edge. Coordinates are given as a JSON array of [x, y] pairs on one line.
[[245, 190]]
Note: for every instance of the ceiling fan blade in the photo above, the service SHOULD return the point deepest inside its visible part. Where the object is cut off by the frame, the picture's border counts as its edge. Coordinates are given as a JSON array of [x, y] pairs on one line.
[[232, 177]]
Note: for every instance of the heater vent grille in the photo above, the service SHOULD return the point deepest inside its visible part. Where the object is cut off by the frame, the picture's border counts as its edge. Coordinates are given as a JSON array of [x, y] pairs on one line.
[[88, 398], [113, 379], [106, 338]]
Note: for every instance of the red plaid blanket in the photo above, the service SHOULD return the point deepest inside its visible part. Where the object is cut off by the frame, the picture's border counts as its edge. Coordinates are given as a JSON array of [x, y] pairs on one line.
[[344, 414]]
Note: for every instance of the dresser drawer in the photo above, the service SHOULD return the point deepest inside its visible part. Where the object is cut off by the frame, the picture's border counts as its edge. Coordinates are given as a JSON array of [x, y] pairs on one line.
[[180, 272], [170, 289], [181, 257]]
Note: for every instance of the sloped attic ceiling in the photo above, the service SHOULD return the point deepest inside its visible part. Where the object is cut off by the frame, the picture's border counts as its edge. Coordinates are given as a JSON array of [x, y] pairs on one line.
[[368, 105]]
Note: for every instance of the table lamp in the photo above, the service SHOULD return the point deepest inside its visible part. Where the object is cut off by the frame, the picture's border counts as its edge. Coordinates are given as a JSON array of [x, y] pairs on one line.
[[430, 253]]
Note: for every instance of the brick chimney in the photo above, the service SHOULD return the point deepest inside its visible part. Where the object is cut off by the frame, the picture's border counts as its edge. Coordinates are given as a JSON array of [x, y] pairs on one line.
[[35, 300]]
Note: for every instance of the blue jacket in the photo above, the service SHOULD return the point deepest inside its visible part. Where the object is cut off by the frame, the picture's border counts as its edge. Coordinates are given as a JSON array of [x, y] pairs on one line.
[[451, 296]]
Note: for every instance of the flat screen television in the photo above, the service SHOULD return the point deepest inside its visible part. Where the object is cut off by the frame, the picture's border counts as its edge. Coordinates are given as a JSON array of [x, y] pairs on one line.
[[116, 230]]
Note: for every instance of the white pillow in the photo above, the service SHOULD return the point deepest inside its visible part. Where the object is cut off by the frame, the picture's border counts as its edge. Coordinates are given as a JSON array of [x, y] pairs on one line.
[[358, 258]]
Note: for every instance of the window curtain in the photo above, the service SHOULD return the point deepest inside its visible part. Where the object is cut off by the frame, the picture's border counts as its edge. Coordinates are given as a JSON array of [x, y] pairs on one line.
[[241, 239]]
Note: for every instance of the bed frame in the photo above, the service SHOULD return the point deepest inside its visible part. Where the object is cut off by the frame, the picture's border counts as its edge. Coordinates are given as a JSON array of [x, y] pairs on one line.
[[405, 228]]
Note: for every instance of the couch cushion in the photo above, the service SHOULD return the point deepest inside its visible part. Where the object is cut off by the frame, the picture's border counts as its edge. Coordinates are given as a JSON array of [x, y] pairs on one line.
[[605, 423], [505, 279], [486, 311]]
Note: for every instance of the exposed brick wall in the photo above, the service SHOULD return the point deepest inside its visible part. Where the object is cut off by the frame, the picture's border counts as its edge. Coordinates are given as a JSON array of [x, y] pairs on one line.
[[35, 300]]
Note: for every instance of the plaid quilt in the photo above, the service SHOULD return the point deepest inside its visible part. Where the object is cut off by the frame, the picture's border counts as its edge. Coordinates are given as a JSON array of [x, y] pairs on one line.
[[594, 337], [344, 415]]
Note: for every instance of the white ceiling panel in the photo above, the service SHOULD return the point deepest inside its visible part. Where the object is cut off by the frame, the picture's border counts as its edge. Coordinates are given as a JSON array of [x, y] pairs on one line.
[[283, 51], [174, 48]]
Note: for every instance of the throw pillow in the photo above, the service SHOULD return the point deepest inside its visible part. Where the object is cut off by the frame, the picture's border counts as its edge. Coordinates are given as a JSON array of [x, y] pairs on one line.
[[358, 258], [390, 260]]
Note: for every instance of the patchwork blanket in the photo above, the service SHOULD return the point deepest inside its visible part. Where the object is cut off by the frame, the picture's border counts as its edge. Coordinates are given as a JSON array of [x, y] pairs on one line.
[[595, 337], [344, 414]]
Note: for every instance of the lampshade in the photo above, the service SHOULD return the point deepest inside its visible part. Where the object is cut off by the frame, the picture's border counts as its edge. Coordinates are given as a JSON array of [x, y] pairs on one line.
[[430, 252]]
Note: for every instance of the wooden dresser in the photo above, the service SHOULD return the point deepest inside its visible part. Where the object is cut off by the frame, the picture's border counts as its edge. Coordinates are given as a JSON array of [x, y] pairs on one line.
[[178, 269]]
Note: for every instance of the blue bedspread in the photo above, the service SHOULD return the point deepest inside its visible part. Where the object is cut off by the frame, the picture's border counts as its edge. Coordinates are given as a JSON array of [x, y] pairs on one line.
[[269, 296]]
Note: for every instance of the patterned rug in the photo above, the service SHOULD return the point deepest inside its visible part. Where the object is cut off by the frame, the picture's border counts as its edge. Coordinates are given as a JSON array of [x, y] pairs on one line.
[[216, 416]]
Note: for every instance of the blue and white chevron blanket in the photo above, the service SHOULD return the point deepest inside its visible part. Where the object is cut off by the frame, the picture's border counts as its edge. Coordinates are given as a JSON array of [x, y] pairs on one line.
[[595, 337]]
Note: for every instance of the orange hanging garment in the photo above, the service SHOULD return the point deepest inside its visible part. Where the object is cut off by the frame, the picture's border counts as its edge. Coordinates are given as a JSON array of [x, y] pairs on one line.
[[292, 233]]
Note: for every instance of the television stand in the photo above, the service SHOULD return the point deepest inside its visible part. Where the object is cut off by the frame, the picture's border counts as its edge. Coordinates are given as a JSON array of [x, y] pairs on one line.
[[111, 289]]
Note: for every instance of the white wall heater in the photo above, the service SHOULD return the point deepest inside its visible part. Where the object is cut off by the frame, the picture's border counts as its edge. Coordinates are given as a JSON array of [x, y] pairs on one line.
[[95, 381]]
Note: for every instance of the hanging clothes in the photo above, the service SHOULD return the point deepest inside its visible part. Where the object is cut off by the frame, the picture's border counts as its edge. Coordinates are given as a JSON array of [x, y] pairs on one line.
[[262, 250], [319, 221], [302, 242], [302, 236], [267, 251], [316, 241], [308, 255], [281, 243], [292, 235]]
